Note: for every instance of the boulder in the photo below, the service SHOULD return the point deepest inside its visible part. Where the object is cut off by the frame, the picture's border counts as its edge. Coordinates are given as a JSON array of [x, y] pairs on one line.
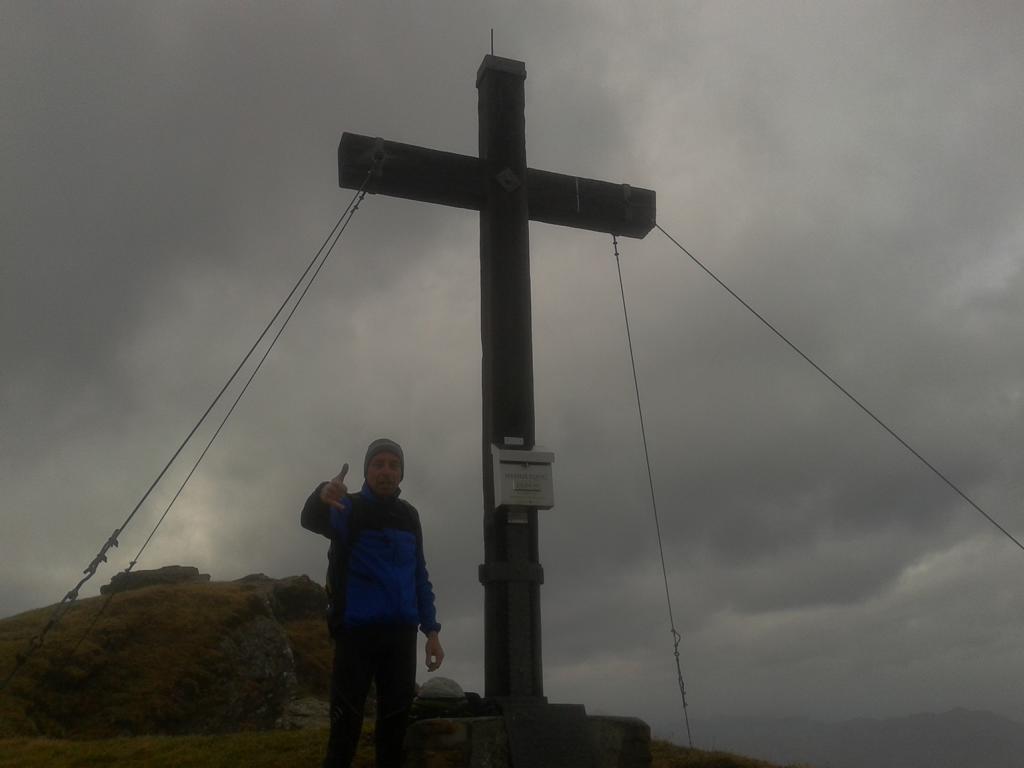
[[261, 680], [441, 688], [298, 597], [443, 697], [169, 574]]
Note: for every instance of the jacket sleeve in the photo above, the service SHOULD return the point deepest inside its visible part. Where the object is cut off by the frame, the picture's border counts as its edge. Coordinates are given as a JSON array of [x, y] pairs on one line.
[[316, 516], [424, 589]]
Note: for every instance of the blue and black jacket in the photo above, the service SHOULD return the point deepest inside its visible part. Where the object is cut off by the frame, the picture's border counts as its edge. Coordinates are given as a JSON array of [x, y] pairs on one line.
[[376, 572]]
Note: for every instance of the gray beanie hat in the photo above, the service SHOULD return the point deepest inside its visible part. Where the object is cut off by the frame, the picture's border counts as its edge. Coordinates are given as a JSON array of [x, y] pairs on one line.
[[383, 445]]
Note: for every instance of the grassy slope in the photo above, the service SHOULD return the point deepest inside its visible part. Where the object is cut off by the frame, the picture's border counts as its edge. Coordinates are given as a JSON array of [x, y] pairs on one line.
[[153, 662], [269, 749], [253, 750]]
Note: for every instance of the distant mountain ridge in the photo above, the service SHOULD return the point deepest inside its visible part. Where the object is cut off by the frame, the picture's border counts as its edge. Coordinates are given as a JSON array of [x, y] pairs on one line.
[[959, 738]]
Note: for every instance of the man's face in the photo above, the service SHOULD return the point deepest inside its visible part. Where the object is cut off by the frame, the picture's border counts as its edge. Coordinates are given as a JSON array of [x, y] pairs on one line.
[[384, 473]]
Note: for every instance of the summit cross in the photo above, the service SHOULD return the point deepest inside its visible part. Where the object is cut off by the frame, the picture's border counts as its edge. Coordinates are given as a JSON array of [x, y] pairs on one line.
[[508, 195]]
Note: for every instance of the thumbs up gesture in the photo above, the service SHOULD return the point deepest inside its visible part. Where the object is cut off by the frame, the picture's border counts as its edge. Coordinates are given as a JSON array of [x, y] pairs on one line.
[[335, 489]]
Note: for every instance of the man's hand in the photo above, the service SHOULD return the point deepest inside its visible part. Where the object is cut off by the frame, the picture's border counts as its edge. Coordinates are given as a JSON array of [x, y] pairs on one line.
[[435, 653], [335, 490]]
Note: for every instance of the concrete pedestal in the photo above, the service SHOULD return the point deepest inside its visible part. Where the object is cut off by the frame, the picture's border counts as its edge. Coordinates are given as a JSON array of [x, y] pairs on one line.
[[482, 742]]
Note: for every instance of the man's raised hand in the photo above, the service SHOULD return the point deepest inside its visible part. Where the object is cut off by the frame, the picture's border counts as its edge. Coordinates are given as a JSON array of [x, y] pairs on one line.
[[335, 489]]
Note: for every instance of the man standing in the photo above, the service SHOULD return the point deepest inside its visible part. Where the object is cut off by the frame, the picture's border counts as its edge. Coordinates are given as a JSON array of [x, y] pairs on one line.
[[378, 594]]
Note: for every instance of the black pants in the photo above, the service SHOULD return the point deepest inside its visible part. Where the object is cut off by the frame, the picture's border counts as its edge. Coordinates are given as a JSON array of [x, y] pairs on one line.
[[384, 654]]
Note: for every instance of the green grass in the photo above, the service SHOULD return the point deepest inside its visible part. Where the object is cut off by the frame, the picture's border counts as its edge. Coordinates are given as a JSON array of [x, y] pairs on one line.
[[252, 749], [259, 749]]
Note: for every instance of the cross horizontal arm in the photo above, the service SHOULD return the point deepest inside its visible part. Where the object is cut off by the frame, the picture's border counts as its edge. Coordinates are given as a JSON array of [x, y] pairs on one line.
[[408, 171], [446, 178]]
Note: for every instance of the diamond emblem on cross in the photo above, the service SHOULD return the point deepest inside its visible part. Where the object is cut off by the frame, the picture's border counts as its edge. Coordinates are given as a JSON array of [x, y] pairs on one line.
[[508, 180]]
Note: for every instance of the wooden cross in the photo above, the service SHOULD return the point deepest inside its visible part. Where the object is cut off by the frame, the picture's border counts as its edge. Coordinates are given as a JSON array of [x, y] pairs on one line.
[[508, 195]]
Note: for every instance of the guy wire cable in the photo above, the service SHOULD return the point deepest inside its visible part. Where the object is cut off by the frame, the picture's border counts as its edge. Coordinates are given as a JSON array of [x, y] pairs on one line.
[[360, 196], [942, 476], [64, 605], [676, 637]]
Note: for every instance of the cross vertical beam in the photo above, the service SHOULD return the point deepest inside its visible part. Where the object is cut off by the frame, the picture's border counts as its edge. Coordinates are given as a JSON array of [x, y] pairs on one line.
[[512, 645]]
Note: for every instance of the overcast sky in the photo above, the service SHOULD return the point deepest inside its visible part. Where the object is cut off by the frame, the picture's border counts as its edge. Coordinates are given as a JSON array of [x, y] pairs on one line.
[[854, 170]]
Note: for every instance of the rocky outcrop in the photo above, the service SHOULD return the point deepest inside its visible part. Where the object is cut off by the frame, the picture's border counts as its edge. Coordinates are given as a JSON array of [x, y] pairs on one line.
[[169, 574], [167, 657], [297, 597], [262, 688], [262, 680]]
